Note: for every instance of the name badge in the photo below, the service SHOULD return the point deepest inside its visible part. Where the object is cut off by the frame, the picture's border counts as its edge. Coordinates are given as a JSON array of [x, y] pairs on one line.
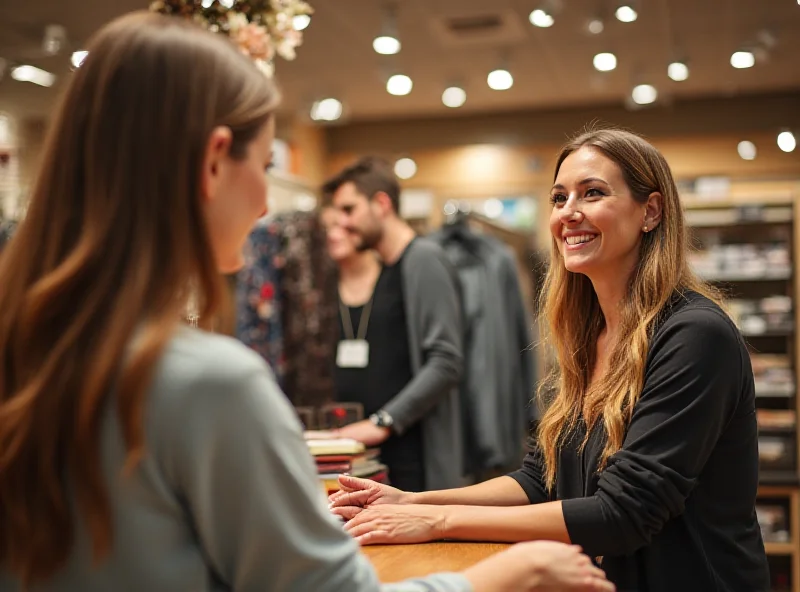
[[352, 353]]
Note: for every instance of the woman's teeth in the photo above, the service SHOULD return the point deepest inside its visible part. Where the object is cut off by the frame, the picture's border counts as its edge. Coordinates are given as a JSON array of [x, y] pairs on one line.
[[576, 240]]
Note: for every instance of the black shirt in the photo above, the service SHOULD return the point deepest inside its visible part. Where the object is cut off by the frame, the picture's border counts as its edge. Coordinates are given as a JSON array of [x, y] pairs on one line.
[[674, 511], [388, 372]]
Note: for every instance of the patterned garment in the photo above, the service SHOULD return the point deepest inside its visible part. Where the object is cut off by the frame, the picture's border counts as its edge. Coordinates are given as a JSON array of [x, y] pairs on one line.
[[287, 305]]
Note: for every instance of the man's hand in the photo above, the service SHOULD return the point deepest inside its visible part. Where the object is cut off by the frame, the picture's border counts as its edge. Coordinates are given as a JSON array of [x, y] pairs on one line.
[[364, 431]]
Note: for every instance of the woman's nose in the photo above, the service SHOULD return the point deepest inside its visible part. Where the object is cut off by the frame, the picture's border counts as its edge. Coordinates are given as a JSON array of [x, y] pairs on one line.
[[570, 212]]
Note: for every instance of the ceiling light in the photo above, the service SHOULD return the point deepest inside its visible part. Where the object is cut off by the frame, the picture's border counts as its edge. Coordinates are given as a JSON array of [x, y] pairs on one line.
[[227, 3], [386, 45], [34, 75], [454, 97], [605, 62], [541, 18], [300, 22], [644, 94], [399, 85], [787, 141], [207, 3], [500, 79], [329, 109], [626, 14], [743, 59], [78, 58], [405, 168], [493, 208], [747, 150], [678, 71], [596, 26]]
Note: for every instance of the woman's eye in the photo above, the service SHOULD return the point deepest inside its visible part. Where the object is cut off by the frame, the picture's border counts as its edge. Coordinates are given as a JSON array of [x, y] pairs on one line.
[[558, 199], [594, 193], [269, 166]]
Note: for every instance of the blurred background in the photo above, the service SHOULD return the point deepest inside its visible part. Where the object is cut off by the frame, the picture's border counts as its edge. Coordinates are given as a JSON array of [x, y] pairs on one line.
[[471, 100]]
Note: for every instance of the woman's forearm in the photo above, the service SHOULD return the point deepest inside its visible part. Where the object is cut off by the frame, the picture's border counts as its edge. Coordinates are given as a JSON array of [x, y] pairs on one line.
[[507, 525], [502, 491]]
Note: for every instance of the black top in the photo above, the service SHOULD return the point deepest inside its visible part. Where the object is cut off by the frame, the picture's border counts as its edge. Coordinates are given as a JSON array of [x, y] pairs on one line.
[[388, 372], [674, 511]]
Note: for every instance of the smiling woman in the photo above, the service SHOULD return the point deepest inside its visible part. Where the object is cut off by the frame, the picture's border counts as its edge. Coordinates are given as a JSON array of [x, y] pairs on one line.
[[646, 454]]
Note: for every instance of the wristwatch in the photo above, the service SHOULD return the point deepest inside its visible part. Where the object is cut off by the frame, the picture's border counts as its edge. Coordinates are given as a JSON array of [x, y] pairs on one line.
[[382, 419]]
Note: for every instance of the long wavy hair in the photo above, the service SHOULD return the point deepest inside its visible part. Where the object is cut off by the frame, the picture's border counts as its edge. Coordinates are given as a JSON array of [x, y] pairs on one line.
[[574, 321], [96, 279]]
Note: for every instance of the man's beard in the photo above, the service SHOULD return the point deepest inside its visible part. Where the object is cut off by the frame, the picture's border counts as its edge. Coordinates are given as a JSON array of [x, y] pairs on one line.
[[370, 239]]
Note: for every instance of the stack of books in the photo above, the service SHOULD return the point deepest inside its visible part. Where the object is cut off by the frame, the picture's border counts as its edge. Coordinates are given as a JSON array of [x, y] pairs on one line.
[[338, 456]]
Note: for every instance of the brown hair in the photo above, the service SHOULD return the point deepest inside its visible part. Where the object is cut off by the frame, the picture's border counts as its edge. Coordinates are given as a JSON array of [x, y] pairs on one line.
[[370, 175], [574, 319], [96, 279]]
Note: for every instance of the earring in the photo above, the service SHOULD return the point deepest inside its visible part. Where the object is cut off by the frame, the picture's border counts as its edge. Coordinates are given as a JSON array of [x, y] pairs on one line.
[[645, 228]]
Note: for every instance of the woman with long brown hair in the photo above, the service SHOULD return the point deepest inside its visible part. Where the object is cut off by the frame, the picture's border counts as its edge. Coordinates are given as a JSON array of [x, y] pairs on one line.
[[137, 453], [646, 454]]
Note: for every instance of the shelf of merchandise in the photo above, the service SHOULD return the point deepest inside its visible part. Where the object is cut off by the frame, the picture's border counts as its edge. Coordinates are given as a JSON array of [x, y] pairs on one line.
[[752, 217]]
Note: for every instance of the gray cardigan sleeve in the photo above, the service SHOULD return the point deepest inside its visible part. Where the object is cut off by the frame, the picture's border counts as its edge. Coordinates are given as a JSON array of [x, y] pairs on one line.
[[433, 308], [251, 490]]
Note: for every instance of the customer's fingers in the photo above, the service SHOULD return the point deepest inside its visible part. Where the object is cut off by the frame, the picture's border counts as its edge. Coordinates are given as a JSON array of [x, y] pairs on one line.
[[347, 512], [351, 498], [375, 537]]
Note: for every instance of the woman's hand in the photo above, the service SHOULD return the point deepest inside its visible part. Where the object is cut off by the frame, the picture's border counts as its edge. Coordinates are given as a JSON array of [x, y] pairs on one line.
[[388, 524], [358, 494], [540, 566]]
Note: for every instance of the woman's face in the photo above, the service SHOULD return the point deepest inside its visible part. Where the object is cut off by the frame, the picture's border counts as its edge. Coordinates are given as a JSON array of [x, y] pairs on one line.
[[340, 243], [595, 221], [235, 192]]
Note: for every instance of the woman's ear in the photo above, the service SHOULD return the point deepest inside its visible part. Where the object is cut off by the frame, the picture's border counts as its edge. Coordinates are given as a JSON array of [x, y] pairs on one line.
[[215, 161], [652, 212]]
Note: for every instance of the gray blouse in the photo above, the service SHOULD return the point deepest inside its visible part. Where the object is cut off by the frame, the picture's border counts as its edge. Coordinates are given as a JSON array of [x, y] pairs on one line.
[[226, 496]]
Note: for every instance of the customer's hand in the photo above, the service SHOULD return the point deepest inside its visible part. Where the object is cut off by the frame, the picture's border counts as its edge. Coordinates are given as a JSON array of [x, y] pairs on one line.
[[387, 524], [358, 494], [364, 431], [540, 566]]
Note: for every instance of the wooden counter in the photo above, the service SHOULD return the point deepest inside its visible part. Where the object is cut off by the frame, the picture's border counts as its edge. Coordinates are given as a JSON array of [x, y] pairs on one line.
[[399, 562]]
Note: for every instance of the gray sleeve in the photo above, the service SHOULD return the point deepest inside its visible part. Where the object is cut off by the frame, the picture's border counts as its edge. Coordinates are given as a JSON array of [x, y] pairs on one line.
[[435, 310], [252, 491]]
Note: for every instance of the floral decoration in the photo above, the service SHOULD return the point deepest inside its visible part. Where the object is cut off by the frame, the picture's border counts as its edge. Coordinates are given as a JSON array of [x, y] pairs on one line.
[[260, 28]]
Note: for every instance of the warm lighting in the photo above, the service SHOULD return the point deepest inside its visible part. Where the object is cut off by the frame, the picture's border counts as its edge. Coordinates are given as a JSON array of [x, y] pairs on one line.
[[493, 208], [500, 80], [207, 3], [405, 168], [78, 58], [678, 71], [747, 150], [386, 45], [227, 3], [454, 97], [34, 75], [787, 141], [596, 26], [644, 94], [605, 62], [329, 109], [301, 21], [626, 14], [743, 59], [399, 85], [541, 18]]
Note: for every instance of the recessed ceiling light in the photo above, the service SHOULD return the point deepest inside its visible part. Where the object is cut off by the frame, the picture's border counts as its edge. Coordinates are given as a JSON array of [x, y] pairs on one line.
[[493, 208], [405, 168], [207, 3], [626, 14], [678, 71], [227, 3], [386, 45], [596, 26], [743, 59], [747, 150], [34, 75], [541, 18], [605, 62], [329, 109], [399, 85], [78, 57], [644, 94], [454, 97], [500, 79], [301, 21], [787, 142]]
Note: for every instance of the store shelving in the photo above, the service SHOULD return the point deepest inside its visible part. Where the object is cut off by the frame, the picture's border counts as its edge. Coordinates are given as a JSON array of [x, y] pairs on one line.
[[748, 246]]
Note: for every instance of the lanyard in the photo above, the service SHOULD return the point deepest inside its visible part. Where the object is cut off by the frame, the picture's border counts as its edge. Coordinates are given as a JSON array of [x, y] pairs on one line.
[[347, 321]]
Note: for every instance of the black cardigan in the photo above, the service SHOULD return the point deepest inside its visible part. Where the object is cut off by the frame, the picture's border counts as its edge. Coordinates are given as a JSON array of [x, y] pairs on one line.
[[674, 510]]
